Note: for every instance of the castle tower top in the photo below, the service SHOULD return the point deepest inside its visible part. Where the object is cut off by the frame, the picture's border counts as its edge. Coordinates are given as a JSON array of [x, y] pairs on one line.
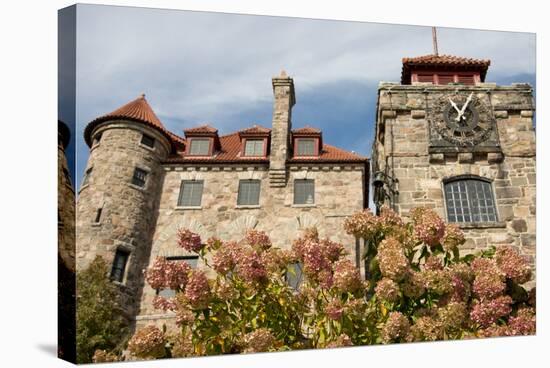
[[137, 110], [443, 69]]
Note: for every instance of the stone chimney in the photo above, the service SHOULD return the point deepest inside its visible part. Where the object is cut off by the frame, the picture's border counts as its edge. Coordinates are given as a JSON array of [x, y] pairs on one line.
[[283, 91]]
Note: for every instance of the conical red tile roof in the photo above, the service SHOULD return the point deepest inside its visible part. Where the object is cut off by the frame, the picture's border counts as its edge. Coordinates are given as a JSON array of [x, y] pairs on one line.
[[137, 110]]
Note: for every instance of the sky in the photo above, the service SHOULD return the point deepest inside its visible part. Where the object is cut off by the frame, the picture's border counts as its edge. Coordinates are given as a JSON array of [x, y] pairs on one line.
[[201, 67]]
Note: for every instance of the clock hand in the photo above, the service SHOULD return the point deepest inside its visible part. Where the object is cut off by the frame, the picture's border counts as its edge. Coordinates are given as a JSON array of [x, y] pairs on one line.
[[454, 105], [463, 110]]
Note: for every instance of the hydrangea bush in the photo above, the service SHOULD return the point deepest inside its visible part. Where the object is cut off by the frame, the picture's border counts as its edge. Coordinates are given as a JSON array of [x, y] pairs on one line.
[[417, 288]]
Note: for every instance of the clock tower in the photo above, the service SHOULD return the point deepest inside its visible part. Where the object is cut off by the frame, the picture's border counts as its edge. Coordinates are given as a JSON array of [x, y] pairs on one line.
[[447, 139]]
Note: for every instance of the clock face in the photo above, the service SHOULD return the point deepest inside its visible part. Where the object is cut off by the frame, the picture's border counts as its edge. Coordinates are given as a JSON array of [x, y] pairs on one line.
[[462, 119]]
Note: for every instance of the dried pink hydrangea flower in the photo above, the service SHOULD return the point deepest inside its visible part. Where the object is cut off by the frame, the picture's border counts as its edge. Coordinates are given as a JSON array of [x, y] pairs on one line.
[[259, 340], [197, 291], [332, 250], [334, 309], [426, 329], [341, 341], [167, 274], [413, 285], [387, 290], [362, 224], [103, 356], [523, 323], [389, 219], [189, 241], [453, 315], [485, 313], [147, 342], [391, 259], [396, 328], [250, 266], [437, 281], [259, 239], [346, 276], [453, 238], [223, 261], [489, 281], [428, 226], [513, 265], [162, 303]]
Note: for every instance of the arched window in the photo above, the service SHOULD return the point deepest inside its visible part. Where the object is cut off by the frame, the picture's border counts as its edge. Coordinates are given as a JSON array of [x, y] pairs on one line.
[[470, 199]]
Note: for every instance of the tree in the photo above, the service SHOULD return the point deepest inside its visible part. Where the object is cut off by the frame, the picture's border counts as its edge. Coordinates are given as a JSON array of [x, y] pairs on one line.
[[100, 324]]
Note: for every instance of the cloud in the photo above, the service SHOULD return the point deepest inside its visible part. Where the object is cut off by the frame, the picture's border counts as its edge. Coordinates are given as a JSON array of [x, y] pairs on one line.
[[210, 67]]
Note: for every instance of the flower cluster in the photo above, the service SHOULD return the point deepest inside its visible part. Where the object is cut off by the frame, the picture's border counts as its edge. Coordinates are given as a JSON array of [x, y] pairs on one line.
[[189, 241], [258, 239], [489, 280], [428, 226], [452, 238], [413, 285], [259, 340], [453, 315], [426, 328], [346, 276], [340, 341], [197, 291], [223, 261], [334, 309], [103, 356], [362, 224], [392, 260], [387, 290], [250, 266], [512, 264], [162, 303], [147, 342], [166, 274], [396, 328], [523, 323], [485, 313]]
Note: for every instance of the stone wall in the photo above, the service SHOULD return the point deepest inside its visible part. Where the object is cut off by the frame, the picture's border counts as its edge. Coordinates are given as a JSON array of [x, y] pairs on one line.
[[129, 212], [402, 148], [65, 211], [338, 193]]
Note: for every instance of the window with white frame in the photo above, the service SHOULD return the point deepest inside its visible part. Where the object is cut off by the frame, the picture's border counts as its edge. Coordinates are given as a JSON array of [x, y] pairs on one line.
[[306, 147], [190, 193], [304, 191], [249, 193], [199, 147], [254, 147], [470, 200]]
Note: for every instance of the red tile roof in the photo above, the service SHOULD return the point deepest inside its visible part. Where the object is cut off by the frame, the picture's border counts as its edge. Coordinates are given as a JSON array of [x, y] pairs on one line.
[[442, 62], [203, 129], [255, 129], [331, 154], [307, 130], [137, 110]]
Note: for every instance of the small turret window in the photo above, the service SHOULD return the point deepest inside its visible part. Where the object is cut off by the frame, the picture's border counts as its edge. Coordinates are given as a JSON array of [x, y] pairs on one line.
[[119, 265], [148, 141], [86, 178], [199, 147], [97, 139], [139, 177]]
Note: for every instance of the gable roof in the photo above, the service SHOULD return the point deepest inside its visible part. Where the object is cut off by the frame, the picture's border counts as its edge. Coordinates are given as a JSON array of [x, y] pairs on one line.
[[202, 129], [137, 110], [255, 129], [307, 130], [443, 62]]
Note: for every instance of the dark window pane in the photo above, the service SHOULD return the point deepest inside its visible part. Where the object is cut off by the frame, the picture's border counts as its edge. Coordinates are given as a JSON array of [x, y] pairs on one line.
[[119, 265], [148, 141], [249, 193], [98, 215], [139, 177], [87, 176], [190, 193], [304, 191], [294, 275]]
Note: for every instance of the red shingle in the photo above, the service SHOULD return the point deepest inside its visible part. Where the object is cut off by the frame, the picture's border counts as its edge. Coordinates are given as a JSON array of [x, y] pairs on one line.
[[255, 129], [306, 130], [203, 129], [441, 62]]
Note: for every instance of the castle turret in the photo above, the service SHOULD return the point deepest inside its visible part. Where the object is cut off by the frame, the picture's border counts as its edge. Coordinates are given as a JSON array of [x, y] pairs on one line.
[[283, 91], [119, 195]]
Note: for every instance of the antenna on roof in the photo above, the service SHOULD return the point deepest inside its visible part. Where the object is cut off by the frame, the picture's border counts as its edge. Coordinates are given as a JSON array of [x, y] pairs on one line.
[[434, 39]]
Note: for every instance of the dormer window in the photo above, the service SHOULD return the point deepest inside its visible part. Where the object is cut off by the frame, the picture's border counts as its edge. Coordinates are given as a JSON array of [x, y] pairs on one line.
[[199, 147], [305, 147], [254, 147]]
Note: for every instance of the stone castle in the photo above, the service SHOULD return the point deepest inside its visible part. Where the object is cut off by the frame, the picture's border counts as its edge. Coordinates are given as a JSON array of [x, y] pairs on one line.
[[444, 138]]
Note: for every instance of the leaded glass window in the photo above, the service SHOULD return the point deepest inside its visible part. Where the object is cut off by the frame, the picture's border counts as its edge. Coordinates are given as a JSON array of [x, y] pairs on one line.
[[199, 147], [306, 147], [249, 193], [190, 193], [470, 200], [254, 147], [304, 191]]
